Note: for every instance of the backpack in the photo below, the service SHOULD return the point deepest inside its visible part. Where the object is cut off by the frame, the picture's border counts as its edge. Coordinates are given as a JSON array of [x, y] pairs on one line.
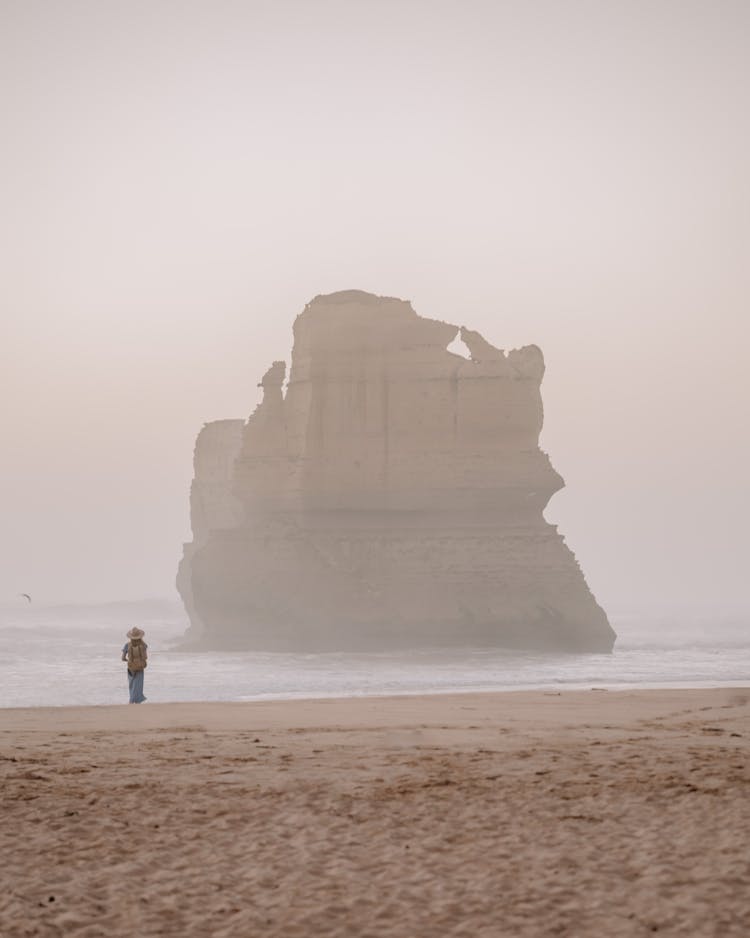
[[136, 655]]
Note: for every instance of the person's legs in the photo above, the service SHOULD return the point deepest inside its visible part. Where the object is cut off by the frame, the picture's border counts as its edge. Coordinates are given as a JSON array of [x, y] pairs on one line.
[[136, 687]]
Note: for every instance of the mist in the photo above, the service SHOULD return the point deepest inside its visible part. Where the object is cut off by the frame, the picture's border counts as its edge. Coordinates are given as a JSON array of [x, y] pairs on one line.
[[179, 179]]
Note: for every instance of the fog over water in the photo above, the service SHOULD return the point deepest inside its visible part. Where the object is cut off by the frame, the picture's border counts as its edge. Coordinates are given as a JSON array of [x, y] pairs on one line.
[[67, 655], [179, 179]]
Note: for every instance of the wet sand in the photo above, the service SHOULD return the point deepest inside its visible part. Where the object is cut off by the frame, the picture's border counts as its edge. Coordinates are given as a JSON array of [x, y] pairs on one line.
[[578, 814]]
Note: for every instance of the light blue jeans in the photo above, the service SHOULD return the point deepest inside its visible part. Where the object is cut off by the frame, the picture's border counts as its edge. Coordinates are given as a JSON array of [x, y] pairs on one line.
[[135, 686]]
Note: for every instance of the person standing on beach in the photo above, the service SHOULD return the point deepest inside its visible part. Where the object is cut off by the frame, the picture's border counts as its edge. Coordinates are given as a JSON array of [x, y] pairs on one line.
[[135, 652]]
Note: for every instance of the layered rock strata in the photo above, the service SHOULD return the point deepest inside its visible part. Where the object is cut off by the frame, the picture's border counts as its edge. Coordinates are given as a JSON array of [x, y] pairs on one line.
[[392, 495]]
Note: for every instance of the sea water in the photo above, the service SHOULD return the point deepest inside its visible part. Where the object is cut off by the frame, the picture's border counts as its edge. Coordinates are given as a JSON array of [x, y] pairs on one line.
[[68, 655]]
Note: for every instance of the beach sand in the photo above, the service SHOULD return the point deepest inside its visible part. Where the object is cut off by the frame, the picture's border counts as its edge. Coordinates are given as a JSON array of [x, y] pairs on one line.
[[587, 813]]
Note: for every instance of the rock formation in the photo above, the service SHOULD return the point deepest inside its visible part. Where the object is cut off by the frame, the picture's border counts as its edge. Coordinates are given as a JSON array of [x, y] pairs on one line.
[[392, 496], [213, 507]]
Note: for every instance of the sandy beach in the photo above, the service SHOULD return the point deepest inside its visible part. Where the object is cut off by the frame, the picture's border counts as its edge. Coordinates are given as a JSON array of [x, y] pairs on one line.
[[577, 814]]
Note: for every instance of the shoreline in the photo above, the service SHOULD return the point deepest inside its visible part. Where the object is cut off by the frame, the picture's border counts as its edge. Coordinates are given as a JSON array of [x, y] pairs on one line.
[[542, 712], [546, 689]]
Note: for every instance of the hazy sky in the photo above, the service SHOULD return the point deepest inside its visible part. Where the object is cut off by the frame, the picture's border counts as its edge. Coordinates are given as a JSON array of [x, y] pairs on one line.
[[179, 178]]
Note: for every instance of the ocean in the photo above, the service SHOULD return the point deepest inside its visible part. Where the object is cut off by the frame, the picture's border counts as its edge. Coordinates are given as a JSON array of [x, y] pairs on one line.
[[70, 655]]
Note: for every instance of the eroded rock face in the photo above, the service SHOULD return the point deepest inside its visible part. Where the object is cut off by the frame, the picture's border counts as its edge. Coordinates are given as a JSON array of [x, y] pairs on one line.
[[393, 496], [213, 507]]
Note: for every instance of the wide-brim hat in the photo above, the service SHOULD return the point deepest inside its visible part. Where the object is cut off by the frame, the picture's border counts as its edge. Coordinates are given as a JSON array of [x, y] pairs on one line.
[[135, 632]]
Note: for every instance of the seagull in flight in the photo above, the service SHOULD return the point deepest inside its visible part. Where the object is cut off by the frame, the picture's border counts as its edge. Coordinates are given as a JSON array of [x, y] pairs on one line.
[[26, 595]]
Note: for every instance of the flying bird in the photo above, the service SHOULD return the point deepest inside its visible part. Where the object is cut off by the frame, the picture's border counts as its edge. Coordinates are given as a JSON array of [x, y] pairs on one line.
[[26, 595]]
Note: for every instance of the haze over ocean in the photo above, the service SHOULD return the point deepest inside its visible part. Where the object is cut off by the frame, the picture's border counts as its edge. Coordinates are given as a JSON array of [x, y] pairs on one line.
[[41, 671]]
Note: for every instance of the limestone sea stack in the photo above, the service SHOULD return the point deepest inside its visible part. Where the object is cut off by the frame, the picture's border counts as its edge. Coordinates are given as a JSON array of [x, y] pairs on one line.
[[391, 496], [213, 507]]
